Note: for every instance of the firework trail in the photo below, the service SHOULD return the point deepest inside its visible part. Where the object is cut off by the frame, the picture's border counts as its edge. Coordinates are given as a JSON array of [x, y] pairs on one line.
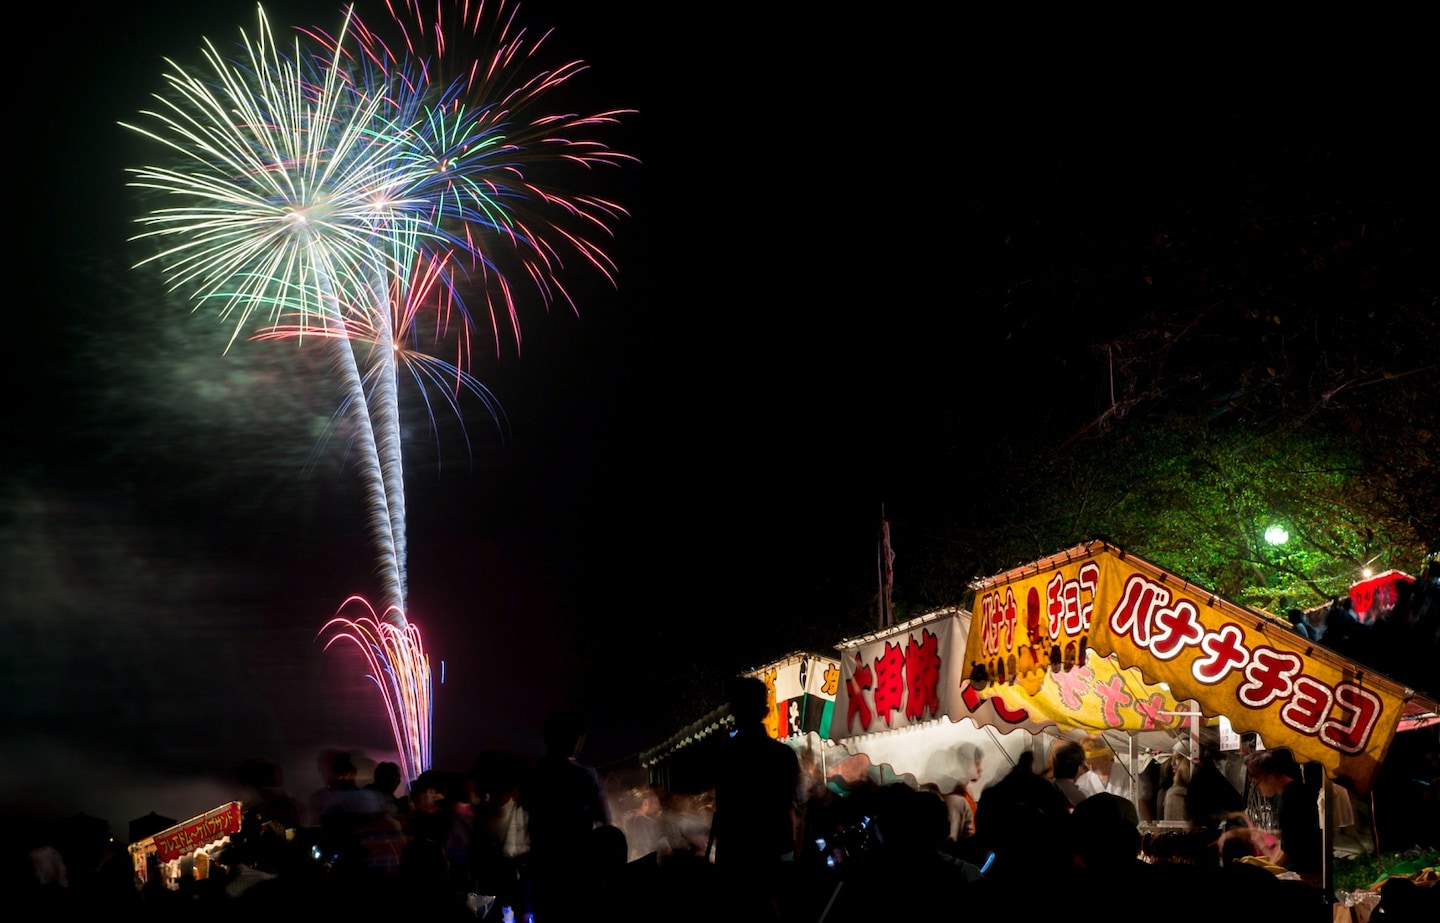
[[398, 666], [477, 138], [408, 339], [346, 192]]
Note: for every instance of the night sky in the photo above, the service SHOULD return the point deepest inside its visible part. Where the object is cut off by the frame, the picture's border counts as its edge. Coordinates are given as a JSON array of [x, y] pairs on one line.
[[810, 301]]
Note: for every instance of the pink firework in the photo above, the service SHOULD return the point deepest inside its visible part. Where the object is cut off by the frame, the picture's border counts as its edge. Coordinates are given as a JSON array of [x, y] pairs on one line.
[[399, 667]]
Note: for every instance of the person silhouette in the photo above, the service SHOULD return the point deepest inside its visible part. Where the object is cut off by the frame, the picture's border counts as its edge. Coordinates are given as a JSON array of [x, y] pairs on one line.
[[563, 800], [385, 780], [341, 809], [757, 789]]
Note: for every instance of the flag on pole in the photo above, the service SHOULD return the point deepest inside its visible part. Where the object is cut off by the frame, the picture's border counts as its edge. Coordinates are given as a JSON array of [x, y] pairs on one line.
[[887, 571], [889, 555]]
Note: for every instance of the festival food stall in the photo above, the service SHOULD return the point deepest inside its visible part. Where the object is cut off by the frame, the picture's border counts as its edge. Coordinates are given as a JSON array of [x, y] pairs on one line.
[[898, 714], [906, 704], [186, 847], [1232, 661], [1091, 644], [1375, 593]]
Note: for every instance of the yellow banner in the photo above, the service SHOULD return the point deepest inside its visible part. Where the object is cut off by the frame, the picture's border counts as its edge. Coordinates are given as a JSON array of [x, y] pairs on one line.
[[1030, 659], [1255, 671], [1093, 695]]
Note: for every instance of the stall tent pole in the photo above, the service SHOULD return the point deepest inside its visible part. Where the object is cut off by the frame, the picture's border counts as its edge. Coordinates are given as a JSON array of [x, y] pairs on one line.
[[1134, 780], [1327, 834], [1194, 733]]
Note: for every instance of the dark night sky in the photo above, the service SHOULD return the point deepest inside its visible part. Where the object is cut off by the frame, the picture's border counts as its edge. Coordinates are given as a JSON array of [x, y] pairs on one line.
[[807, 287]]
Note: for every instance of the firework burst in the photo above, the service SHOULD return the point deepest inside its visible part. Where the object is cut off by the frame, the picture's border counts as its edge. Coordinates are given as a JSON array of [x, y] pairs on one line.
[[505, 163], [341, 191], [293, 191], [290, 182]]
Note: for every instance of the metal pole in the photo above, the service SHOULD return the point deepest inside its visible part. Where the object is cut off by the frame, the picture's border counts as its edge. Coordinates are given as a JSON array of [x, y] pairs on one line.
[[880, 569], [1134, 777], [1327, 834]]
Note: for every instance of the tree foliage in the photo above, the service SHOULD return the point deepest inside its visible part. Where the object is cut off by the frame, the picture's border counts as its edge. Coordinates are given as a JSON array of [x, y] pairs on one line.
[[1190, 340], [1196, 497]]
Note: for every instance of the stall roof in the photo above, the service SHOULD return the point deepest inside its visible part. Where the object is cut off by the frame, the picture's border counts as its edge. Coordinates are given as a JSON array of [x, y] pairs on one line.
[[691, 733], [803, 678], [199, 831], [869, 637], [1234, 661], [913, 673]]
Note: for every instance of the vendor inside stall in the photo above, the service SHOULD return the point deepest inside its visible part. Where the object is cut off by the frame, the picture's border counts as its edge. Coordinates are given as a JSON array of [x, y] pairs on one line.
[[1298, 844]]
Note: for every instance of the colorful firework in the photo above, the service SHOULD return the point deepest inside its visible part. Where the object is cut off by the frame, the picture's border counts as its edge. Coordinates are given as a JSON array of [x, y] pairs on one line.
[[293, 187], [421, 306], [502, 158], [399, 668], [342, 192]]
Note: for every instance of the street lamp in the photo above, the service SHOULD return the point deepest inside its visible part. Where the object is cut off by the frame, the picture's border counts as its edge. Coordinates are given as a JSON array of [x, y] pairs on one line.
[[1276, 535]]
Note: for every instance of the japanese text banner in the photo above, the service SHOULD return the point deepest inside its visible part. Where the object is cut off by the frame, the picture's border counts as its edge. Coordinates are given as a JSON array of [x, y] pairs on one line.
[[1233, 662], [908, 676], [1030, 661], [197, 832], [801, 695]]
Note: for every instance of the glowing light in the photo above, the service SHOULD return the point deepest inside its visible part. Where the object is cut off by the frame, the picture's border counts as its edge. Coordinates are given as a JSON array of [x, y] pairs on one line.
[[1276, 535]]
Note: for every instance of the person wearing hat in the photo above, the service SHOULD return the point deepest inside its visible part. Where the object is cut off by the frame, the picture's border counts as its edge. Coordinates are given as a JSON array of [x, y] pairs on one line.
[[1101, 775]]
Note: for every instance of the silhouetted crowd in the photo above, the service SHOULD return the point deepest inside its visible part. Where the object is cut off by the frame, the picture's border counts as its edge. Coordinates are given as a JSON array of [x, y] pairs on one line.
[[772, 842], [1398, 635], [509, 839]]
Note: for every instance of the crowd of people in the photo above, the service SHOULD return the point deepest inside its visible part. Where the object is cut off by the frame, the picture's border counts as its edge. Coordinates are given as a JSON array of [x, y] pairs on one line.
[[509, 839], [1397, 635], [772, 842]]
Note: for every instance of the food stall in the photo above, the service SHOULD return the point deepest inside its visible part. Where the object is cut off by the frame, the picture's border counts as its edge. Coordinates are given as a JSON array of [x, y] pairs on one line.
[[801, 689], [187, 847], [906, 703], [1097, 645], [1230, 660]]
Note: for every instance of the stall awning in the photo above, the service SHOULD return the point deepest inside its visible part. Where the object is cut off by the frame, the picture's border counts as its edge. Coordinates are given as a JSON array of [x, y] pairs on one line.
[[717, 720], [207, 828], [918, 671], [1232, 661], [801, 691]]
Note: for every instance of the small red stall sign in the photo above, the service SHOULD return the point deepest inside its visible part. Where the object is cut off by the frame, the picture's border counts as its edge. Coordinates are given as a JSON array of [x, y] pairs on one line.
[[1375, 593], [197, 832]]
